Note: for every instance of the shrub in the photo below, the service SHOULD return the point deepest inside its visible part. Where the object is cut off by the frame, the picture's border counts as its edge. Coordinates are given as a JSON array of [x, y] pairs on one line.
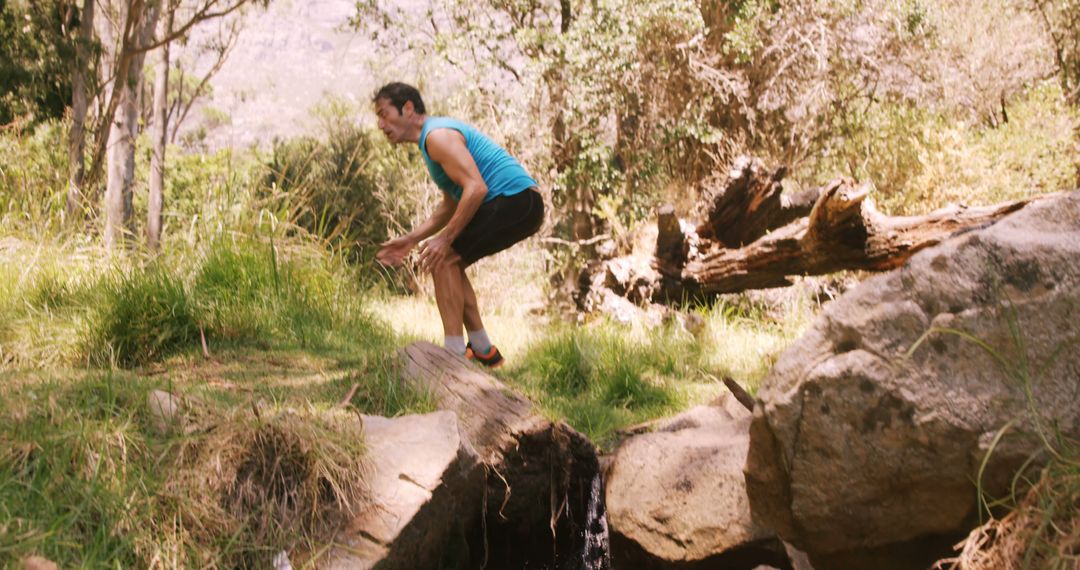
[[920, 159], [599, 378], [144, 315], [346, 188], [33, 178]]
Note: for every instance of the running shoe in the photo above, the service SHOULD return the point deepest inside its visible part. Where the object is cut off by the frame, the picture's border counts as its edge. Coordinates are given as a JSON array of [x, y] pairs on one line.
[[493, 359]]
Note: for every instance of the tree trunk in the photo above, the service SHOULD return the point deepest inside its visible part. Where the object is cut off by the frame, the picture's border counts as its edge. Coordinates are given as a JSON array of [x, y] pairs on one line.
[[544, 480], [160, 133], [751, 204], [843, 232], [77, 135], [124, 129]]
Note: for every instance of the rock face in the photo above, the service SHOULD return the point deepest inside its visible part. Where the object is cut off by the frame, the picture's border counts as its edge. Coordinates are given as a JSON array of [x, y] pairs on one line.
[[676, 497], [856, 449], [425, 490]]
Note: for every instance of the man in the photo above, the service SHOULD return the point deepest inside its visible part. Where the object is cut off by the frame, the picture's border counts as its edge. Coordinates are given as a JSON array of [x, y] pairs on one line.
[[489, 203]]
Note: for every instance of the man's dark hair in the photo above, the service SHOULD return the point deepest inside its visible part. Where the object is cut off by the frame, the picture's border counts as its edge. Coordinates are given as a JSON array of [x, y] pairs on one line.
[[398, 94]]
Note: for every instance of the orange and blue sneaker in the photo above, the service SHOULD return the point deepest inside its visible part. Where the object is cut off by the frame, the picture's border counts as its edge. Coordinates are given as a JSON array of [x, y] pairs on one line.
[[493, 359]]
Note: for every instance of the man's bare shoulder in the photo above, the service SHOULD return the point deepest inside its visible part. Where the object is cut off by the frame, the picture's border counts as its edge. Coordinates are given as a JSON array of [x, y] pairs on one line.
[[444, 139]]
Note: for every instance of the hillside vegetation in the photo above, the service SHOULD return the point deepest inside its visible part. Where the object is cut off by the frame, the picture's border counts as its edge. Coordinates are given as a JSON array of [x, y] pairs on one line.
[[261, 307]]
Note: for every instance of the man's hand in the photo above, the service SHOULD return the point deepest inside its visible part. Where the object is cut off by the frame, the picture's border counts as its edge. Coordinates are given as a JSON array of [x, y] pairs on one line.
[[395, 250], [436, 251]]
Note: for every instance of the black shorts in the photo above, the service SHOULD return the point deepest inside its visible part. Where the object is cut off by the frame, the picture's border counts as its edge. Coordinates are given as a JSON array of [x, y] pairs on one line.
[[499, 224]]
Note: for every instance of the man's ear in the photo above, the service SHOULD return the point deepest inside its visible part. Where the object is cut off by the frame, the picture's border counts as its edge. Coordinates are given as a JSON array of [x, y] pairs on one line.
[[408, 109]]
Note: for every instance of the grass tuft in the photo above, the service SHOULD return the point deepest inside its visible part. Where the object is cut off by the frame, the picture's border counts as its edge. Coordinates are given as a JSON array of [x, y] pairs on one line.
[[145, 315], [87, 480], [599, 379]]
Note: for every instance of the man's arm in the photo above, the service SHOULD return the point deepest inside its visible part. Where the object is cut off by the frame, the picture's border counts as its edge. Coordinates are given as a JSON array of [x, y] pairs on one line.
[[447, 147], [394, 250], [437, 221]]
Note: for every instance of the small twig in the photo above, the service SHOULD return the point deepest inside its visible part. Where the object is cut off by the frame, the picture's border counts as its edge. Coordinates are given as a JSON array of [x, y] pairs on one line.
[[556, 513], [741, 395], [349, 396], [202, 337], [506, 497], [577, 243]]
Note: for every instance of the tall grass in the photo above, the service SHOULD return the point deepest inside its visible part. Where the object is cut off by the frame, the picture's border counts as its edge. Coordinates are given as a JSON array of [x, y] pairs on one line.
[[263, 459], [87, 480], [33, 179], [242, 292]]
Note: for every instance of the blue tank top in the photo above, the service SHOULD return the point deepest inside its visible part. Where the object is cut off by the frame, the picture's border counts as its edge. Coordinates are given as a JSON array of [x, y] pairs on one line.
[[503, 175]]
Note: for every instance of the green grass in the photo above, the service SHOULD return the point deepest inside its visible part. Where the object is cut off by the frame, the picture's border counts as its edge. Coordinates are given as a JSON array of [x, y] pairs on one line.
[[603, 376], [86, 480], [600, 381], [145, 314]]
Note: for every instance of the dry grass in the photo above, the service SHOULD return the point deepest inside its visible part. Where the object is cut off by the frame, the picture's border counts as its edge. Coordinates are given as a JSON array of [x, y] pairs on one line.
[[1041, 532], [280, 478], [90, 475]]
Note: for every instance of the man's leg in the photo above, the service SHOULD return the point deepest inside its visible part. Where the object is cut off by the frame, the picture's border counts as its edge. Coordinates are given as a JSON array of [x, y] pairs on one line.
[[482, 349], [450, 298], [471, 314]]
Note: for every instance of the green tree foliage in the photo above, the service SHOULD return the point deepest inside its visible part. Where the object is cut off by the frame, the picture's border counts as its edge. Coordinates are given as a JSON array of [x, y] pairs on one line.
[[35, 50]]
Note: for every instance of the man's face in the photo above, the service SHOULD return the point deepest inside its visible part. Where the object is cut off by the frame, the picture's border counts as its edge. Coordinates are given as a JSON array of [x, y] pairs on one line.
[[391, 122]]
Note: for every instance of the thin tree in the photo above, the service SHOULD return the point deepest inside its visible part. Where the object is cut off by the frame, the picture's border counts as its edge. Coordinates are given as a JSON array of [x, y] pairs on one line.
[[160, 134], [79, 97], [124, 62], [127, 34]]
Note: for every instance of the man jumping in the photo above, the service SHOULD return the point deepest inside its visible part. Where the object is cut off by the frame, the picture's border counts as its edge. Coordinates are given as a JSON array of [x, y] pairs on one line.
[[489, 203]]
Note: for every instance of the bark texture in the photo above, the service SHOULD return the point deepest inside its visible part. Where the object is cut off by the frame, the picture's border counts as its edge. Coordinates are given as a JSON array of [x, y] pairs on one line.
[[752, 203], [160, 132], [79, 104], [843, 231], [753, 236], [140, 20], [543, 494]]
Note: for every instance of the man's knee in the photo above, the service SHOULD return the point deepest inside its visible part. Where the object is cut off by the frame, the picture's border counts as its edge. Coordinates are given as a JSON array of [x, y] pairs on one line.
[[447, 269], [452, 263]]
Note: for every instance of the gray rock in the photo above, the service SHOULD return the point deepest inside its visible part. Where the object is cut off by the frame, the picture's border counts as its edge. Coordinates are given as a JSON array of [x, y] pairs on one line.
[[38, 563], [425, 479], [165, 411], [855, 447], [677, 495]]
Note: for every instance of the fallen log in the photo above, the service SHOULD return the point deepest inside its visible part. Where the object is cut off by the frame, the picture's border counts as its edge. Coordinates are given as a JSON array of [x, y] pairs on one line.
[[543, 492], [752, 203], [843, 232], [839, 229]]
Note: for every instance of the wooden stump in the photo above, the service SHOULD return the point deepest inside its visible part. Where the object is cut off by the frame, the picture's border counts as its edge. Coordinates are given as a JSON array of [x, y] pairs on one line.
[[543, 477], [751, 204]]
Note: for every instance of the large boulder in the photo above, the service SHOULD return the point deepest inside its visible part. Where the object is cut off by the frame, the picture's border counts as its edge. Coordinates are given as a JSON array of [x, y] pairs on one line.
[[865, 456], [676, 496], [424, 494]]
